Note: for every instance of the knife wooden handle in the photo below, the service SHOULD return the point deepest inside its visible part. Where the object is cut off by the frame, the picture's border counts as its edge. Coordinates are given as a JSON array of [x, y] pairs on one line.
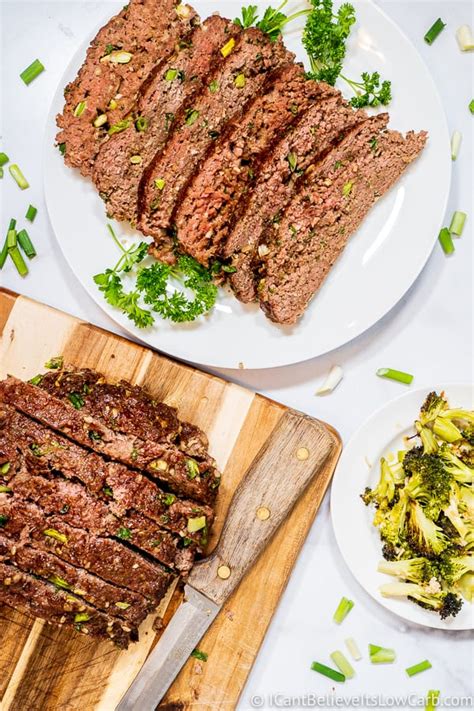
[[275, 480]]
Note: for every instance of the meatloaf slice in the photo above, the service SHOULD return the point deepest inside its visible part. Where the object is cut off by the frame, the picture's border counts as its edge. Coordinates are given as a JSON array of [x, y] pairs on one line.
[[165, 462], [319, 221], [104, 557], [217, 191], [124, 408], [60, 607], [241, 77], [112, 599], [77, 508], [316, 133], [124, 156], [24, 442], [118, 61]]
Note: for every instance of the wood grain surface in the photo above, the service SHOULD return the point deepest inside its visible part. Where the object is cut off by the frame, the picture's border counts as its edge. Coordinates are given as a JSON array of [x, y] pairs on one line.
[[43, 668]]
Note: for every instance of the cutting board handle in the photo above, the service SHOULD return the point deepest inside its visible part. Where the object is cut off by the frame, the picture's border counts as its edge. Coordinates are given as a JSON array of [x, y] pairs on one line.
[[292, 456]]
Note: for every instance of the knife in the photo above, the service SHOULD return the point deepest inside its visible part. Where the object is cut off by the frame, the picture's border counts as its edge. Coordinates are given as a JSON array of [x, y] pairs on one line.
[[281, 471]]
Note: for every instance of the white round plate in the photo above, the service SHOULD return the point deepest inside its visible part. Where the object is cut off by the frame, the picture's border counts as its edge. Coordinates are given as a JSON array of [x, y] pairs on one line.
[[381, 262], [357, 538]]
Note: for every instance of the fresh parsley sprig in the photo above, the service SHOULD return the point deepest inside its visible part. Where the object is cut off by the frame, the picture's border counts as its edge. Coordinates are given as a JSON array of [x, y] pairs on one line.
[[369, 91], [272, 22], [153, 289]]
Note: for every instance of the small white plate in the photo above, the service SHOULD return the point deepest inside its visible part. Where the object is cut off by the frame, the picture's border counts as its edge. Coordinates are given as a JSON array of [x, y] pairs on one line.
[[379, 265], [357, 538]]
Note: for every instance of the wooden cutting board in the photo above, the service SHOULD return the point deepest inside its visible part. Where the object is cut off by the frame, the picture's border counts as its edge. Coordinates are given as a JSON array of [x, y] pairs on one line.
[[42, 667]]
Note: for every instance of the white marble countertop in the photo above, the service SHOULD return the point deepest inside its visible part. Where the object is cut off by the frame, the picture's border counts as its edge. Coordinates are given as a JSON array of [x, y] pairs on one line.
[[429, 333]]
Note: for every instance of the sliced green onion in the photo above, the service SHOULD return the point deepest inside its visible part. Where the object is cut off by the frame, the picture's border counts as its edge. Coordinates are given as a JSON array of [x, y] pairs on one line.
[[398, 375], [3, 159], [342, 663], [228, 47], [118, 57], [136, 160], [5, 489], [31, 213], [11, 239], [32, 71], [18, 261], [417, 668], [18, 177], [196, 524], [434, 31], [192, 116], [160, 183], [446, 241], [343, 609], [5, 468], [122, 605], [465, 38], [171, 74], [327, 671], [26, 244], [119, 127], [455, 144], [81, 617], [141, 124], [381, 655], [4, 252], [80, 108], [101, 120], [354, 650], [457, 223], [214, 88], [432, 700], [198, 654], [240, 81], [471, 106]]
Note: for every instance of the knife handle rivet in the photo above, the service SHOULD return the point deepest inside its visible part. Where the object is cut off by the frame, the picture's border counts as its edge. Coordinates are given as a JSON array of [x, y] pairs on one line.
[[263, 514], [223, 571], [302, 454]]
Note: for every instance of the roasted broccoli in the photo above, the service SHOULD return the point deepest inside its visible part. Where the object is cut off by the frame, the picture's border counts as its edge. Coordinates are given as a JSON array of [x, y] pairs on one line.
[[416, 570], [429, 482], [385, 489], [455, 466], [431, 597], [431, 408]]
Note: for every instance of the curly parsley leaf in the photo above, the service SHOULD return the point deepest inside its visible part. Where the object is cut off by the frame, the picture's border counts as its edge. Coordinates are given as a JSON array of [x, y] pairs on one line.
[[271, 23], [369, 91], [153, 288]]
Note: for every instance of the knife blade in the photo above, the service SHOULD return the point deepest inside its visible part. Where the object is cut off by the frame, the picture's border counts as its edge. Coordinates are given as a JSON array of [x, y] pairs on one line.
[[186, 628], [281, 471]]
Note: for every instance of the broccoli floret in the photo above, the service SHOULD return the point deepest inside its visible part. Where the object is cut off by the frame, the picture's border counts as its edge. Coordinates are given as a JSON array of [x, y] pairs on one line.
[[392, 522], [465, 585], [460, 471], [452, 513], [468, 434], [429, 481], [464, 448], [385, 489], [389, 551], [428, 440], [423, 534], [431, 408], [445, 603], [451, 568], [416, 570]]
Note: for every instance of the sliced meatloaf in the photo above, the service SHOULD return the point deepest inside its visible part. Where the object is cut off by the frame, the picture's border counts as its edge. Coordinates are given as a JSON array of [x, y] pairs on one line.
[[119, 602], [125, 408], [319, 221], [217, 193], [60, 607], [165, 462], [107, 558], [118, 61], [316, 133], [26, 443], [251, 59], [124, 156], [77, 508]]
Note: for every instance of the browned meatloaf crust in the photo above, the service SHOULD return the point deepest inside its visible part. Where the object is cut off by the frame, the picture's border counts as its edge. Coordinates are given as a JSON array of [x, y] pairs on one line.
[[60, 607], [24, 442], [315, 134], [165, 462], [319, 221], [148, 30], [242, 76], [125, 155], [219, 189], [128, 605], [107, 558]]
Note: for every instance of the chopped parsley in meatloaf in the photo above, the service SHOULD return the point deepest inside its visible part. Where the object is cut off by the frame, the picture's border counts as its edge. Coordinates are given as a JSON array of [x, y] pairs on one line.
[[119, 59], [41, 598], [319, 221], [279, 178], [217, 193], [242, 76], [123, 158], [198, 480]]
